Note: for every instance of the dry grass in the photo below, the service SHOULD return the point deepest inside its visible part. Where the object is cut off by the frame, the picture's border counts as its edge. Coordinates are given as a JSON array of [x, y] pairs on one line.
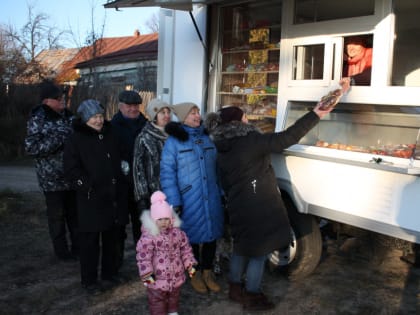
[[33, 282]]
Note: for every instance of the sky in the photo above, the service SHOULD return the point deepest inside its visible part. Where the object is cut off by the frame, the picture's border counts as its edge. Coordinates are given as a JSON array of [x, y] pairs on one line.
[[77, 16]]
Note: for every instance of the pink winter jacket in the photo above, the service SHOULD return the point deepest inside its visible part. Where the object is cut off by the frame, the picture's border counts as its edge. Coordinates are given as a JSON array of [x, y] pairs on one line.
[[166, 254]]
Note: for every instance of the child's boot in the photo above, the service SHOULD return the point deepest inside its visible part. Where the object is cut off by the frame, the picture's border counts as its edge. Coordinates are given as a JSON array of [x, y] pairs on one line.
[[198, 284], [209, 281]]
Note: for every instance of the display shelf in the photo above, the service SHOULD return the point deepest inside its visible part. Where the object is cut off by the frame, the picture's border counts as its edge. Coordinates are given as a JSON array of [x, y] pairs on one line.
[[253, 28], [259, 94], [390, 164], [243, 50], [248, 70], [259, 117], [384, 132]]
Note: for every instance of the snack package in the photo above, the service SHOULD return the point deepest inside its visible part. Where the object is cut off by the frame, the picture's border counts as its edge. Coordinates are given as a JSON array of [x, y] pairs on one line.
[[332, 98]]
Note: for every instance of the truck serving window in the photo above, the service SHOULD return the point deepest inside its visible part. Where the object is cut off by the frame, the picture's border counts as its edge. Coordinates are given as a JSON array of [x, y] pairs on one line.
[[357, 60], [308, 62]]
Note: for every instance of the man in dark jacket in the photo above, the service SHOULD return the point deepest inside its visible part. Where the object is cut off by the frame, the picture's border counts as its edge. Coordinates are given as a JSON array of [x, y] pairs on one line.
[[128, 123], [47, 130]]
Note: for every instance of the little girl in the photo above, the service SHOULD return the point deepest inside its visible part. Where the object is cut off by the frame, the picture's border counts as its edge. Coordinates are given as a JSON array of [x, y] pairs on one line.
[[163, 255]]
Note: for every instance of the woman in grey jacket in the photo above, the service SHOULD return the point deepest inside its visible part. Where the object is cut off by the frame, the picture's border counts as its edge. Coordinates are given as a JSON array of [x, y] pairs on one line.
[[147, 151]]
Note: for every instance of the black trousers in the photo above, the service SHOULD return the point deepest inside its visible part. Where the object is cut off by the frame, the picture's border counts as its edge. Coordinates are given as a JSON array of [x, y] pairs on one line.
[[92, 246], [62, 216], [204, 253], [134, 218]]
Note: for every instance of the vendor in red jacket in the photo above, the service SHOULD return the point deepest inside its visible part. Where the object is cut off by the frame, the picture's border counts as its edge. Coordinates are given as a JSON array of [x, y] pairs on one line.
[[358, 61]]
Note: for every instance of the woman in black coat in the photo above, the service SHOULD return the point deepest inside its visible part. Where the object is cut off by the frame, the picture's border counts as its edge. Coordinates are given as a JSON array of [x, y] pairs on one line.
[[257, 216], [93, 163]]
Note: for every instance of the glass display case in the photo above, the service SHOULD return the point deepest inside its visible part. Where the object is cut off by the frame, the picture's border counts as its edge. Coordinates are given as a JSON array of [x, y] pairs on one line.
[[249, 65], [382, 130]]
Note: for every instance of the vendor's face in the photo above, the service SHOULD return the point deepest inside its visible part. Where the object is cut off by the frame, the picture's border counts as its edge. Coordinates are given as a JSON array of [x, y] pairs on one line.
[[193, 118], [163, 223], [129, 110], [96, 122], [163, 117], [354, 50]]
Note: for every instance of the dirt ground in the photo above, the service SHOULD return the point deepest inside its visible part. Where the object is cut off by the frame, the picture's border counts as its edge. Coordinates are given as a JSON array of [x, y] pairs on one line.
[[351, 278]]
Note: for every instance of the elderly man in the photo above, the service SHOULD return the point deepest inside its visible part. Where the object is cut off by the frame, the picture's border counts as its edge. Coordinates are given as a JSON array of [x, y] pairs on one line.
[[128, 122], [48, 128]]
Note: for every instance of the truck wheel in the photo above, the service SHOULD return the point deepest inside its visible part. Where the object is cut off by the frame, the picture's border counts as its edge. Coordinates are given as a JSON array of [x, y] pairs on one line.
[[304, 252]]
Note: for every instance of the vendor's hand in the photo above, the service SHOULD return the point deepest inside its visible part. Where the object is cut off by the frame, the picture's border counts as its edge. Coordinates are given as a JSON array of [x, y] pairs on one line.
[[345, 84]]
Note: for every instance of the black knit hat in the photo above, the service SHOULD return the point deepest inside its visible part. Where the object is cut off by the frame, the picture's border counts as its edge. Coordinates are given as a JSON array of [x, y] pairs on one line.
[[130, 98], [49, 89], [231, 113]]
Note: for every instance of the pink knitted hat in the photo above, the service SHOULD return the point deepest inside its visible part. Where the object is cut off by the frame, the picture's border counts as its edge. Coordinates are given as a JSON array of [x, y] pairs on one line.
[[160, 208]]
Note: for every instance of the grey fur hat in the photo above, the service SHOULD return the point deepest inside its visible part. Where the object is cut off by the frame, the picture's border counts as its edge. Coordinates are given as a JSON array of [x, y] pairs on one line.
[[154, 106], [89, 108]]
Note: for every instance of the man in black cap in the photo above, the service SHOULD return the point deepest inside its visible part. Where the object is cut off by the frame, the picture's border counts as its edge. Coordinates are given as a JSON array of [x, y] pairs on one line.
[[48, 128], [128, 123]]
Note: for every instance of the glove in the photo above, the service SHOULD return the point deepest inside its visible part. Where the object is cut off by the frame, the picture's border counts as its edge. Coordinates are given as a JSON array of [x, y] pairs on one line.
[[125, 167], [178, 210], [149, 280], [191, 272]]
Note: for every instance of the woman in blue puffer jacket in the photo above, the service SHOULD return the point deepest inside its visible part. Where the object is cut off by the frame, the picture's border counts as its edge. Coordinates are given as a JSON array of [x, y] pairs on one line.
[[189, 180]]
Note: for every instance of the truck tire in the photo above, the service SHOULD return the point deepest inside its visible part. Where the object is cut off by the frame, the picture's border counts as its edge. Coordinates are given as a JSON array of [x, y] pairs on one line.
[[305, 250]]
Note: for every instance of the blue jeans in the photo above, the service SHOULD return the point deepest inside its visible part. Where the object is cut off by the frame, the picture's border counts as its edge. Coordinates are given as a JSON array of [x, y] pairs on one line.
[[252, 267]]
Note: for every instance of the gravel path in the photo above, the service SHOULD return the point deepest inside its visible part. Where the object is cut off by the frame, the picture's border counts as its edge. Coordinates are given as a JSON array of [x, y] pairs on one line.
[[18, 178]]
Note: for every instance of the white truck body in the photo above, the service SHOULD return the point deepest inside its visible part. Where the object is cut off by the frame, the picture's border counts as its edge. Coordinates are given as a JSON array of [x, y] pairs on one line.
[[345, 187]]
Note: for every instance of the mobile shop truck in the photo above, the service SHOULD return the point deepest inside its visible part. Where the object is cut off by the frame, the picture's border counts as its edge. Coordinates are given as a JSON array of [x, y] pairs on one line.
[[275, 59]]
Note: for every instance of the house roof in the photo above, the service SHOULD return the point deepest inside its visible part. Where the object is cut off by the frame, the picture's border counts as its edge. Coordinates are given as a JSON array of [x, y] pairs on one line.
[[113, 50], [109, 50], [53, 59]]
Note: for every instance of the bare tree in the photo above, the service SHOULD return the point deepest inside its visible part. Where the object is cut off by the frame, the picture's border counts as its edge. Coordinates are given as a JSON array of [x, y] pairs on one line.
[[90, 49], [12, 62], [95, 42], [36, 34], [153, 23]]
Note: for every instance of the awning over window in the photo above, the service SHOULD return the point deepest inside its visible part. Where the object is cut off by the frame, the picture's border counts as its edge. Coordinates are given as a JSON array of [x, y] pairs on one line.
[[185, 5]]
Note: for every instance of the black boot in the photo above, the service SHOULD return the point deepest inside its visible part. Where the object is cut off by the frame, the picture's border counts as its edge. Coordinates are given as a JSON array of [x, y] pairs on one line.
[[256, 302], [236, 292]]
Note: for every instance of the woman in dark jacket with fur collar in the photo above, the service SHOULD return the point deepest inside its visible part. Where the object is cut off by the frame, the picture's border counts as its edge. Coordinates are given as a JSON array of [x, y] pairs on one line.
[[92, 162], [258, 219]]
